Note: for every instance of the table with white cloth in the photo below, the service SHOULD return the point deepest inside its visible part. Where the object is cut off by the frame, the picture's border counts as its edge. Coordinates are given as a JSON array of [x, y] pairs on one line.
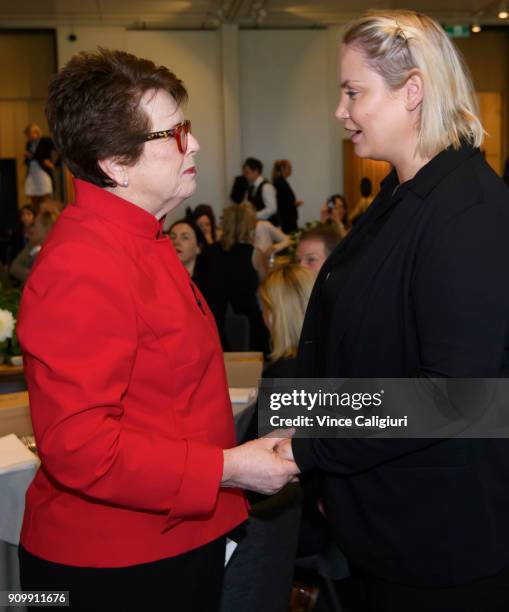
[[243, 372]]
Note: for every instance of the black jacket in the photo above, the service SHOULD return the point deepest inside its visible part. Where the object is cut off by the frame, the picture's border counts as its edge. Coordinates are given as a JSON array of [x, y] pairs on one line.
[[286, 208], [430, 297]]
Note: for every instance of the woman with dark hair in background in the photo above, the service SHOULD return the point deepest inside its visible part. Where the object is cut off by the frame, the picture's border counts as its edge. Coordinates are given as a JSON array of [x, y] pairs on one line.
[[287, 203], [334, 212], [206, 266], [204, 217]]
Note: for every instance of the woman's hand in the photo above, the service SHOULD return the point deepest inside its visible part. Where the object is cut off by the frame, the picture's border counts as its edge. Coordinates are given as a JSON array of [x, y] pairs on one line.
[[258, 467]]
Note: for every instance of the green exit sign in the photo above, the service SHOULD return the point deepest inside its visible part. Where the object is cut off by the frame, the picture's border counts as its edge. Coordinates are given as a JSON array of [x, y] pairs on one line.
[[458, 31]]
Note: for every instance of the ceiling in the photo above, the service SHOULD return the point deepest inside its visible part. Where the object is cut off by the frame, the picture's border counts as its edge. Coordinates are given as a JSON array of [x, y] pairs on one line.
[[211, 13]]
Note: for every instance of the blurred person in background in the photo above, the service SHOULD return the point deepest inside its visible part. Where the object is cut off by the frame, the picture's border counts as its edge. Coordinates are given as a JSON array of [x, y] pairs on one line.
[[334, 212], [204, 217], [260, 192], [270, 239], [21, 233], [188, 240], [287, 203], [36, 233], [206, 266], [315, 245], [245, 267], [38, 159]]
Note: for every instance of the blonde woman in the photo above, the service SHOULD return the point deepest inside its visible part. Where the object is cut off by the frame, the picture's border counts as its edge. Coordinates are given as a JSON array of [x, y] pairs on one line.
[[415, 290], [259, 576], [284, 295], [245, 266]]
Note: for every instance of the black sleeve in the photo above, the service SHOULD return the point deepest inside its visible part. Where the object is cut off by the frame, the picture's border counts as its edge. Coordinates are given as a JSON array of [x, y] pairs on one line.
[[460, 293]]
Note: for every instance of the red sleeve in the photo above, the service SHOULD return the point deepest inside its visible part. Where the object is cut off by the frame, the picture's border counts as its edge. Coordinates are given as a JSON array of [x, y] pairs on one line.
[[78, 331]]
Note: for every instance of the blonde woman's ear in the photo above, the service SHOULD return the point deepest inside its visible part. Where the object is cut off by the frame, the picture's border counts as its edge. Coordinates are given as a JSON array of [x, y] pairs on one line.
[[414, 91]]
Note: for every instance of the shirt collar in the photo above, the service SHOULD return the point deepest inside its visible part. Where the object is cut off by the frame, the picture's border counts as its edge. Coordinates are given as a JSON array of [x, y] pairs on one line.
[[258, 181], [431, 174], [116, 210]]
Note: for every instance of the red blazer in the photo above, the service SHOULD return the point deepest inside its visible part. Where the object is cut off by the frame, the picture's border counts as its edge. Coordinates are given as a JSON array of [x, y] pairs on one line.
[[128, 394]]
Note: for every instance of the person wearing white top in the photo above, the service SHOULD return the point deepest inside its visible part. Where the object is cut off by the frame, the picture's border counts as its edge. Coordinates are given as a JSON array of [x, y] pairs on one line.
[[260, 192], [269, 238]]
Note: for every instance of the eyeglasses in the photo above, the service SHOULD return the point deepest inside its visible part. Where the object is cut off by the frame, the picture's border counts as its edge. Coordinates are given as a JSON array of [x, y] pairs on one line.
[[179, 132]]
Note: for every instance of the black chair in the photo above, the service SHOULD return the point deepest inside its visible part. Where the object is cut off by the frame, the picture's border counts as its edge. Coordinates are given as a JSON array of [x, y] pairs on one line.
[[237, 331]]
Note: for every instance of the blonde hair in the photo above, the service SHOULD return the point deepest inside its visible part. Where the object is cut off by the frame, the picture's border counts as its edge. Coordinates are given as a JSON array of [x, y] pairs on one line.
[[285, 294], [397, 43], [238, 223]]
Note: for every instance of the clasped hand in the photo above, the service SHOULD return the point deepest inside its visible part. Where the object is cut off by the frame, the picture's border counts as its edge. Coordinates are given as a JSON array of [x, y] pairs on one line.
[[265, 465]]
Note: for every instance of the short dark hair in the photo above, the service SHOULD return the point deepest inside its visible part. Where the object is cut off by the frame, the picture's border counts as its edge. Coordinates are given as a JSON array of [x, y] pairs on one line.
[[94, 113], [324, 233], [207, 211], [200, 238], [254, 164]]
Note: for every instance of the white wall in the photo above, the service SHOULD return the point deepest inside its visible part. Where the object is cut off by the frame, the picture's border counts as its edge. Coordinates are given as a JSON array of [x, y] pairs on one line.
[[286, 98], [285, 108], [195, 58]]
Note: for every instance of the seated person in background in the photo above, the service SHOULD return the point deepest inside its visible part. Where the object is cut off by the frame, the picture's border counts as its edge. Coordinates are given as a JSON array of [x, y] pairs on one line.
[[22, 265], [259, 574], [188, 240], [315, 245], [205, 266], [335, 212], [245, 266], [270, 239], [204, 217], [366, 189], [20, 235]]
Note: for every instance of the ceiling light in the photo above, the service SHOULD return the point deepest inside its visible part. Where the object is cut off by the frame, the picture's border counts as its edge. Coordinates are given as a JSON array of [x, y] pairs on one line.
[[476, 28], [503, 14]]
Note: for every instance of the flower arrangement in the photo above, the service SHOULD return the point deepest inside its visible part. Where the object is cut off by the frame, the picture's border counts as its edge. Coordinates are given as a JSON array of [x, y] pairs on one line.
[[9, 304]]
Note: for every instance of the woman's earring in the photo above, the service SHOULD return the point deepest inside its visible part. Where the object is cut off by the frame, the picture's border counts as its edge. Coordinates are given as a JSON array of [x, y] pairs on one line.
[[125, 183]]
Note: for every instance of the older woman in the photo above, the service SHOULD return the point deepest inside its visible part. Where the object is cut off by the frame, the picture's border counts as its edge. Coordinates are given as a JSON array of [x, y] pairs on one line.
[[130, 408], [415, 290]]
